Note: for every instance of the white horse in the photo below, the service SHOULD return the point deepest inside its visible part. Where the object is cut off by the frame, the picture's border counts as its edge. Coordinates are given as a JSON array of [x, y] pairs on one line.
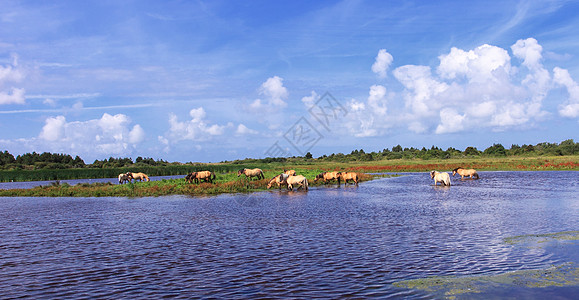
[[443, 178], [300, 180]]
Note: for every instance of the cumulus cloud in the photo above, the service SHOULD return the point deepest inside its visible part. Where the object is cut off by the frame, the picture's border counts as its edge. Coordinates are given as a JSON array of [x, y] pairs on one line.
[[382, 63], [311, 99], [480, 87], [109, 135], [9, 75], [195, 129], [243, 130], [377, 99], [275, 92], [570, 108]]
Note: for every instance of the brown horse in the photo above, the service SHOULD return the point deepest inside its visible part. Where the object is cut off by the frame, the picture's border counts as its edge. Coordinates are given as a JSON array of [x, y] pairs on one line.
[[138, 176], [205, 176], [328, 176], [465, 172], [289, 172], [192, 177], [443, 178], [251, 173], [346, 176], [124, 178], [279, 180], [300, 180]]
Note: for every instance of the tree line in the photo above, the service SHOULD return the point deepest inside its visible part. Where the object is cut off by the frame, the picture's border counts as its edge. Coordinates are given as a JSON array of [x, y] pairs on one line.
[[567, 147], [46, 160]]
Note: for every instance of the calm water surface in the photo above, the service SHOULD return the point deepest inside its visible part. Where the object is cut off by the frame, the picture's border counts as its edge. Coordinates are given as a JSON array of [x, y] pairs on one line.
[[329, 242]]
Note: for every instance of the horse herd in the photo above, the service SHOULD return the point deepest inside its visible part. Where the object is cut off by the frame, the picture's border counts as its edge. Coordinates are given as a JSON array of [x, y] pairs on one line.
[[130, 176], [290, 179], [444, 178]]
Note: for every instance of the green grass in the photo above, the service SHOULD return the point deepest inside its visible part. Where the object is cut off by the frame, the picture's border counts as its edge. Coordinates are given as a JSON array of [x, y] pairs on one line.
[[224, 183], [228, 182]]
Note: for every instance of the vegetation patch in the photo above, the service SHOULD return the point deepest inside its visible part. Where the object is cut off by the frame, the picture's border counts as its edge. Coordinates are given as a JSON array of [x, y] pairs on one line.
[[225, 183], [556, 276], [543, 238]]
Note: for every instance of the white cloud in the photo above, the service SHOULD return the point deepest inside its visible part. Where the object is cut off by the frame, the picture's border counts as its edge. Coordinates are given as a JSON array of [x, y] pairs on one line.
[[481, 86], [196, 129], [450, 121], [382, 63], [529, 51], [377, 99], [274, 90], [243, 130], [15, 96], [53, 129], [9, 75], [136, 135], [477, 65], [109, 135], [311, 99], [570, 108]]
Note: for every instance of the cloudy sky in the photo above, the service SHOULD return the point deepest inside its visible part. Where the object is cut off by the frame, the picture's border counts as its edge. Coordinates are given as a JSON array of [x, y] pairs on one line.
[[221, 80]]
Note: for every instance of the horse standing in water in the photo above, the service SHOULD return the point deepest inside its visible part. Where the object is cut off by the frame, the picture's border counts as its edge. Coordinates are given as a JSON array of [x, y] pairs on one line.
[[300, 180], [328, 176], [138, 176], [350, 176], [443, 178], [251, 173], [465, 172], [279, 180]]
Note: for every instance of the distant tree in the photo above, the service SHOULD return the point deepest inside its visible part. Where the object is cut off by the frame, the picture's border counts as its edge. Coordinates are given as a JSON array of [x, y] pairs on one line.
[[308, 155], [495, 150], [471, 151]]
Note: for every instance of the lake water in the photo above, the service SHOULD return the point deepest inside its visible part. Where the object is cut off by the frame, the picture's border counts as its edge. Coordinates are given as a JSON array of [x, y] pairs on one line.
[[331, 242]]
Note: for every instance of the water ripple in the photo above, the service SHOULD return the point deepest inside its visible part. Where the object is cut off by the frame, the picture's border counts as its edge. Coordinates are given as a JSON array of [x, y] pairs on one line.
[[330, 242]]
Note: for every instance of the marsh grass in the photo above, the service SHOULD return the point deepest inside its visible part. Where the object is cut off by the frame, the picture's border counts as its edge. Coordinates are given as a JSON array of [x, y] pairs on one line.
[[228, 182], [224, 183]]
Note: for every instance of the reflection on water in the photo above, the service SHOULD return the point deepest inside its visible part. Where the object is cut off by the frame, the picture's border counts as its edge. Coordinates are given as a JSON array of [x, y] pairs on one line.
[[329, 242]]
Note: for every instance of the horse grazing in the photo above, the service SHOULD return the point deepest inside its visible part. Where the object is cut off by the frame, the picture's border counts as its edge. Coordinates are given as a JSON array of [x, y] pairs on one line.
[[192, 177], [443, 178], [279, 180], [206, 176], [465, 172], [328, 176], [251, 173], [346, 176], [300, 180], [289, 172], [138, 176], [124, 178]]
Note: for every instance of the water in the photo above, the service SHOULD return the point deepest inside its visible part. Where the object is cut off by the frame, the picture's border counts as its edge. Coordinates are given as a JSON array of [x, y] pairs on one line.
[[329, 242], [31, 184]]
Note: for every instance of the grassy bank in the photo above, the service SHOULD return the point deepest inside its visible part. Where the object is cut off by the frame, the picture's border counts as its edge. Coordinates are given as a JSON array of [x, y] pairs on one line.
[[394, 165], [225, 183], [228, 182]]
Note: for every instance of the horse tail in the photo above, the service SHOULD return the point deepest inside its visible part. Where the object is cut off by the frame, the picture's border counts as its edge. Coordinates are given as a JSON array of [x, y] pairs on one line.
[[261, 174], [306, 183], [213, 175]]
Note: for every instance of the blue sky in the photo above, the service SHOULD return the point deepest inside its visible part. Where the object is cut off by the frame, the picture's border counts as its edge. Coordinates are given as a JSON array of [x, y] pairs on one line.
[[222, 80]]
